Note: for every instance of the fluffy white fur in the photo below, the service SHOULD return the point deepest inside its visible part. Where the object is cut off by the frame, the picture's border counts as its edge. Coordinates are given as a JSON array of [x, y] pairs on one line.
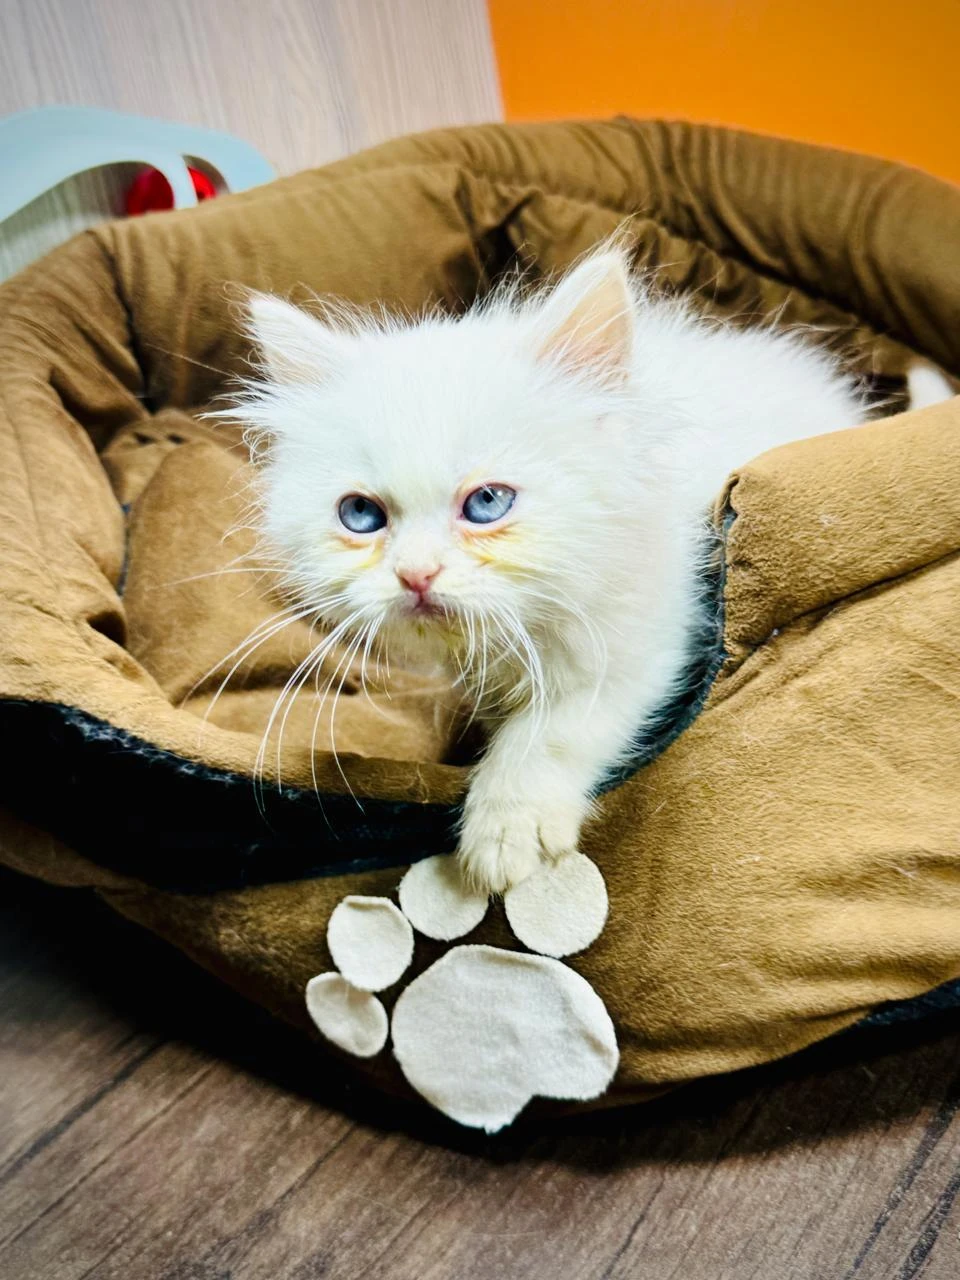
[[616, 417]]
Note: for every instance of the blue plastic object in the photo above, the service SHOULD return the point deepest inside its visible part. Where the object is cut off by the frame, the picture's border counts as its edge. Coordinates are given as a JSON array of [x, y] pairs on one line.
[[39, 149]]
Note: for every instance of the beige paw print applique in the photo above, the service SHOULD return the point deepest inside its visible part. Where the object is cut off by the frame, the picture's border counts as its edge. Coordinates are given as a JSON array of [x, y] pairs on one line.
[[483, 1030]]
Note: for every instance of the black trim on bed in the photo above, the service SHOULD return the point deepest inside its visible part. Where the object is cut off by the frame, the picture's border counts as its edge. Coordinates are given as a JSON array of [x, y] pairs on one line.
[[180, 825]]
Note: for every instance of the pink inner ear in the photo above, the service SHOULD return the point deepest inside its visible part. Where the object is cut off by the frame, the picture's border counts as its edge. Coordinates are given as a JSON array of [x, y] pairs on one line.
[[590, 320]]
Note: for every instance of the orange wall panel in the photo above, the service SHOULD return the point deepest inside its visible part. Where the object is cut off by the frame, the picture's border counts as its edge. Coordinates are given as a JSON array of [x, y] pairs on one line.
[[881, 77]]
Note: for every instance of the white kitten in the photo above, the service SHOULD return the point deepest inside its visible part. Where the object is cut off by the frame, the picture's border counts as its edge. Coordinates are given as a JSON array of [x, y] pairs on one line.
[[522, 494]]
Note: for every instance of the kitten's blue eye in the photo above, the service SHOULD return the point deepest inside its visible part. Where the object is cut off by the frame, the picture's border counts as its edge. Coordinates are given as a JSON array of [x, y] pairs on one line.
[[488, 504], [360, 514]]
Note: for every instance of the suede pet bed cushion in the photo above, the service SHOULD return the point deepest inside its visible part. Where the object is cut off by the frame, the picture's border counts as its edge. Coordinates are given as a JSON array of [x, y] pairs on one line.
[[782, 860]]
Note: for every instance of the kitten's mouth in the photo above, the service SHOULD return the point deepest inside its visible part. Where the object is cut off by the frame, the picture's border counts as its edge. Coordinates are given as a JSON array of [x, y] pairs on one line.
[[428, 609], [424, 607]]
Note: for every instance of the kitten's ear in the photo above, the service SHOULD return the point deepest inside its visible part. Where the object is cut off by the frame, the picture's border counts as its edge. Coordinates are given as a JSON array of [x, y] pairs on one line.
[[586, 323], [294, 346]]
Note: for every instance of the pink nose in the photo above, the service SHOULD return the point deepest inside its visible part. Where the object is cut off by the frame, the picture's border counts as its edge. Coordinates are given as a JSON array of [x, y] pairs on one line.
[[418, 580]]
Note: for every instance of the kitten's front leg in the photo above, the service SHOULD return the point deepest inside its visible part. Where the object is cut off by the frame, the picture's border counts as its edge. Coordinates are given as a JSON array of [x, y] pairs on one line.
[[531, 792]]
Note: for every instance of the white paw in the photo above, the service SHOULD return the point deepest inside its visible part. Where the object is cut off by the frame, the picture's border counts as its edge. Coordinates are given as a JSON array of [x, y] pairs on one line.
[[502, 844]]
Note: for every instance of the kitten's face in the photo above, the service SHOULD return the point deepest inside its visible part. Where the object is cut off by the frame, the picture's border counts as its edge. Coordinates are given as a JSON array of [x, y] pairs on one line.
[[448, 482]]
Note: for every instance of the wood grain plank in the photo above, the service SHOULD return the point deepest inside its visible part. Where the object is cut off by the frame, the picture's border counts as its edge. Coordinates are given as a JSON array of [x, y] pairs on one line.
[[47, 1017]]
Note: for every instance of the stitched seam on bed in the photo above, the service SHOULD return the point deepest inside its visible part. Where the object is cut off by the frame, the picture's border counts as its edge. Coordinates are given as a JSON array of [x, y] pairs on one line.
[[721, 686]]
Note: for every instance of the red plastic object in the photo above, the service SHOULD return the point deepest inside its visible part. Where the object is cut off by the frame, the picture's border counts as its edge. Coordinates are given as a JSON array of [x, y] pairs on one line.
[[150, 191]]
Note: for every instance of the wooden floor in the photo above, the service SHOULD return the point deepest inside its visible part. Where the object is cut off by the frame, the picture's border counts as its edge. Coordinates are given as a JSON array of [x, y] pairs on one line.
[[152, 1128]]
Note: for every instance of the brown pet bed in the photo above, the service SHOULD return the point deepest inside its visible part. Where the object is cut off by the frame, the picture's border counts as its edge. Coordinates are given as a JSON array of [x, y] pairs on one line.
[[784, 857]]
